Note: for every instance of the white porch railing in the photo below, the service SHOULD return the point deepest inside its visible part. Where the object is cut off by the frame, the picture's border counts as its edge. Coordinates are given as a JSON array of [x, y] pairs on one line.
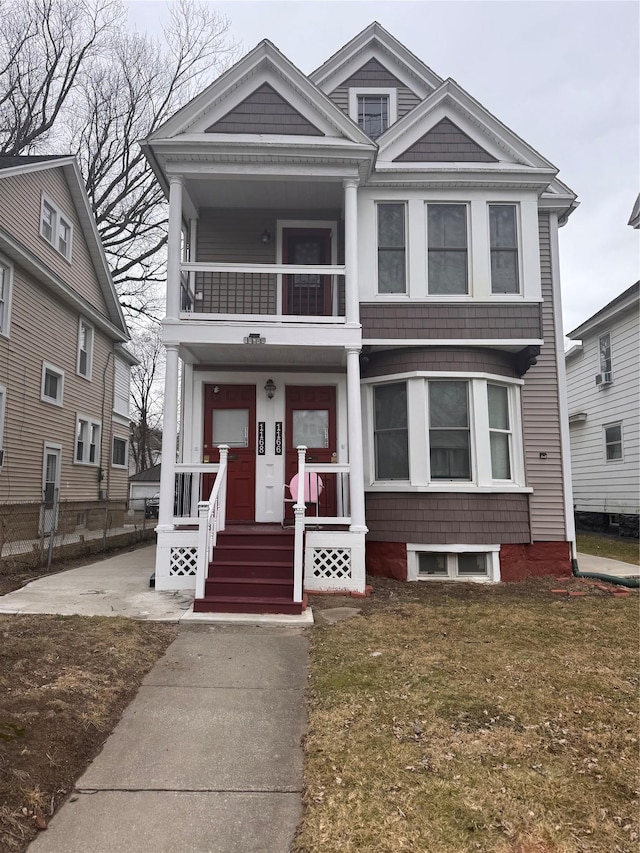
[[211, 519], [259, 290]]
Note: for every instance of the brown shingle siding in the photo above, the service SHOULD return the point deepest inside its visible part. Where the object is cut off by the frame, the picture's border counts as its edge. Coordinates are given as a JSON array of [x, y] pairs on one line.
[[265, 111], [445, 142], [419, 320], [448, 519], [408, 359]]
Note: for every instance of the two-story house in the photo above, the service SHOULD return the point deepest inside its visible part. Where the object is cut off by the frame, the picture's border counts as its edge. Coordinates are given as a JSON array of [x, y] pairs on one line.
[[604, 416], [64, 373], [363, 289]]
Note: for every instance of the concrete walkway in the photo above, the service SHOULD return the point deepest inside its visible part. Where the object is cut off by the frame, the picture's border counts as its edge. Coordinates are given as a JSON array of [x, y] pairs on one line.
[[206, 759], [605, 566]]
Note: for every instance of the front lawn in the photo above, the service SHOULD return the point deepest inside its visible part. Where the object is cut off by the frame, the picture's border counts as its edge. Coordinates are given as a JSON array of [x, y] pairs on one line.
[[452, 718], [612, 547], [64, 683]]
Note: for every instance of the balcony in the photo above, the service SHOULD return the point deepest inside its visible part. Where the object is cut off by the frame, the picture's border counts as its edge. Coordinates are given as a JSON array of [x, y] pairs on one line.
[[281, 292]]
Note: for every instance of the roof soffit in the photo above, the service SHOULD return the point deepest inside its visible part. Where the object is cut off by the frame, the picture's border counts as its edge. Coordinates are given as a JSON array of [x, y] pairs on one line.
[[375, 42], [265, 64], [451, 101]]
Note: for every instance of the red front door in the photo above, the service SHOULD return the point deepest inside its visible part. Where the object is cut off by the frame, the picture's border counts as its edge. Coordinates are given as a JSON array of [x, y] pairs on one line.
[[307, 294], [230, 418], [311, 420]]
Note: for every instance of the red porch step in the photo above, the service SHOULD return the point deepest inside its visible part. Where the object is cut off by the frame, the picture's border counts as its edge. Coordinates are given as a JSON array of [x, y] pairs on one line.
[[251, 572]]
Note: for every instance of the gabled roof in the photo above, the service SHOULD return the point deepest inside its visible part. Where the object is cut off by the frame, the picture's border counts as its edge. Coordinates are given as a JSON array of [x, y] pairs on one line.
[[634, 219], [374, 40], [450, 100], [629, 298], [264, 64], [114, 325]]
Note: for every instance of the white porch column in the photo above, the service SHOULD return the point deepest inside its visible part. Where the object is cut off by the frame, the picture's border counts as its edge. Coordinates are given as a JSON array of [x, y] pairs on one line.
[[173, 247], [356, 461], [169, 438], [351, 300]]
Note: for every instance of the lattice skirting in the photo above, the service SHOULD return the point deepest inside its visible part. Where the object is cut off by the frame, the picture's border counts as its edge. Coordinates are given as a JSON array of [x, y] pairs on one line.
[[334, 561], [183, 562], [176, 559]]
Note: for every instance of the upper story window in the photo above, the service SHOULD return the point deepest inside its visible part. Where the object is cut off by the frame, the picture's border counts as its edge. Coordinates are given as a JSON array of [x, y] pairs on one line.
[[3, 403], [391, 248], [85, 349], [56, 228], [604, 348], [391, 432], [448, 265], [52, 384], [88, 434], [373, 109], [121, 387], [503, 237], [5, 296], [119, 452]]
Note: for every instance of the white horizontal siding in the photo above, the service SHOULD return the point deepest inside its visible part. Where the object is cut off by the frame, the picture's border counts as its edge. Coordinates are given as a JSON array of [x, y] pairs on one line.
[[598, 485]]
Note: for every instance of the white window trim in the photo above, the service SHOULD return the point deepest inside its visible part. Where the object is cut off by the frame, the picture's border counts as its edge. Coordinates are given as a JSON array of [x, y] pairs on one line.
[[605, 427], [507, 297], [57, 216], [390, 93], [126, 453], [91, 422], [51, 368], [492, 553], [8, 265], [393, 297], [451, 297], [86, 375], [418, 425]]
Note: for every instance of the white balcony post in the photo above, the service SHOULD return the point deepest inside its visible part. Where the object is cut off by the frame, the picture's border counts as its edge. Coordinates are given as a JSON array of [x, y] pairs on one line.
[[169, 439], [356, 461], [351, 298], [174, 255]]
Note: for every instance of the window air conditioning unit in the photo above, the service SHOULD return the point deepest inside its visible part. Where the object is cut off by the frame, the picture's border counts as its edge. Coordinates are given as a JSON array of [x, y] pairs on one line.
[[604, 378]]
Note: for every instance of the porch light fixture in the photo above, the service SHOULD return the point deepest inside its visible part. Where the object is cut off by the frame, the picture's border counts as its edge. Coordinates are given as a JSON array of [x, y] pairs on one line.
[[265, 237], [270, 388], [254, 338]]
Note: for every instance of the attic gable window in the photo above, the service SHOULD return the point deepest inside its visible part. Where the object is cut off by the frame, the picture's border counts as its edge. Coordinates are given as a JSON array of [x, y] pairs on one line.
[[373, 109], [55, 228]]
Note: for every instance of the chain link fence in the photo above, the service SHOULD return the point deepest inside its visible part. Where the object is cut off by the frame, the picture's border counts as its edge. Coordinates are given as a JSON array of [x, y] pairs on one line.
[[35, 535]]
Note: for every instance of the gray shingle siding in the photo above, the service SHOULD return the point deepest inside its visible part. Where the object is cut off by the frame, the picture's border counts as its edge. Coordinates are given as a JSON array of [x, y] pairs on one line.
[[468, 322], [445, 143], [265, 111]]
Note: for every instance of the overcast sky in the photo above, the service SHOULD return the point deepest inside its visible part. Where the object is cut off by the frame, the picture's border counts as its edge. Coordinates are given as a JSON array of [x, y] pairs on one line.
[[564, 76]]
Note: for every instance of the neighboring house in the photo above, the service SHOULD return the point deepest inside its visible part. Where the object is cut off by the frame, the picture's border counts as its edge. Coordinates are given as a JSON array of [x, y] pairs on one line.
[[362, 261], [143, 486], [604, 416], [64, 373]]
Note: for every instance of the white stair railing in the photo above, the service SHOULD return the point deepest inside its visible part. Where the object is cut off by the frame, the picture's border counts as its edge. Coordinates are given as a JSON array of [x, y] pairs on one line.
[[299, 509], [211, 519]]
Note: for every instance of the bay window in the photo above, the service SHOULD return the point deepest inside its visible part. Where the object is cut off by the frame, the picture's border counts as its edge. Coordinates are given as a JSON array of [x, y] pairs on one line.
[[447, 432], [391, 432]]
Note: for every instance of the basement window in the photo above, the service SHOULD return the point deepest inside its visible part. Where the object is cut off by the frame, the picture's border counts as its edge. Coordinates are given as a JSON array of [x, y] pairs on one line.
[[453, 562]]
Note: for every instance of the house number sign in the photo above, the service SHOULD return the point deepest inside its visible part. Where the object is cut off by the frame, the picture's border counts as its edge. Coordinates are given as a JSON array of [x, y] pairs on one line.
[[261, 438], [278, 443]]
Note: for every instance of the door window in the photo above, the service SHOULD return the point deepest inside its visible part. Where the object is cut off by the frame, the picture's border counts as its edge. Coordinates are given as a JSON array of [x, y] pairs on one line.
[[231, 426], [311, 428]]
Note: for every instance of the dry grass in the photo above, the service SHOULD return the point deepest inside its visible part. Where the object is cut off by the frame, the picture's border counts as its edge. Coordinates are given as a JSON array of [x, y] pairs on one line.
[[612, 547], [474, 719], [64, 682]]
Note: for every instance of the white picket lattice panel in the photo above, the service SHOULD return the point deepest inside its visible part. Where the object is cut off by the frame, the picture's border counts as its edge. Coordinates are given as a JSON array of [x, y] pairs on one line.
[[183, 562], [332, 563]]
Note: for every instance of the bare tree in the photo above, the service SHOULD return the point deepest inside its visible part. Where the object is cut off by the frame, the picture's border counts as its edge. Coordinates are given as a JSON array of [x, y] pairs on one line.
[[146, 398], [75, 80]]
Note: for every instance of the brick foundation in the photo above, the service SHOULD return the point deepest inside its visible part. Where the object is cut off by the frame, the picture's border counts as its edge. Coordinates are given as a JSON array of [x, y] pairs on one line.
[[518, 562], [387, 560]]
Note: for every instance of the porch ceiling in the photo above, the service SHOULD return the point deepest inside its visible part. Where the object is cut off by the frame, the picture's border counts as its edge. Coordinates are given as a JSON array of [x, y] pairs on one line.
[[264, 193], [302, 357]]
